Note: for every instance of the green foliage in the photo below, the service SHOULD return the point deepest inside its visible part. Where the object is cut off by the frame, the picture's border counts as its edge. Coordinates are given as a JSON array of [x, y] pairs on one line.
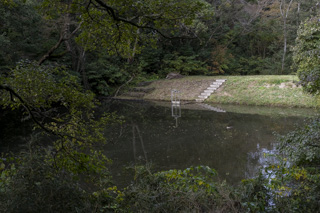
[[21, 32], [254, 194], [44, 86], [185, 65], [53, 94], [294, 189], [150, 60], [31, 184], [189, 190], [294, 179], [61, 177], [105, 73], [113, 25], [247, 66], [302, 146], [220, 60], [306, 54]]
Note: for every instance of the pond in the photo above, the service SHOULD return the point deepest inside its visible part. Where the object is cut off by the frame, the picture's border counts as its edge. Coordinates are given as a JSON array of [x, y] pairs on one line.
[[231, 139]]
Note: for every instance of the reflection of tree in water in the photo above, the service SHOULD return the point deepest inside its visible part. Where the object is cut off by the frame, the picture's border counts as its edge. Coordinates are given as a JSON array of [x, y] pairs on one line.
[[135, 128], [260, 159], [149, 134]]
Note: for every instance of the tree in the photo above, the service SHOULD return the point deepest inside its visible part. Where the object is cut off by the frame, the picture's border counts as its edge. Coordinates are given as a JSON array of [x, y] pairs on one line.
[[284, 11], [54, 100], [306, 54], [114, 24], [21, 33], [118, 27]]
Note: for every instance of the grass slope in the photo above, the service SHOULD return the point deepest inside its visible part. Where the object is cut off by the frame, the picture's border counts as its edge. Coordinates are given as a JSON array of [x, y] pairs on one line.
[[189, 87], [269, 90]]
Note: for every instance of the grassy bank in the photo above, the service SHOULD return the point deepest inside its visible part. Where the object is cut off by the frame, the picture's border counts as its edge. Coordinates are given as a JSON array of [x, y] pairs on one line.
[[263, 91], [271, 90]]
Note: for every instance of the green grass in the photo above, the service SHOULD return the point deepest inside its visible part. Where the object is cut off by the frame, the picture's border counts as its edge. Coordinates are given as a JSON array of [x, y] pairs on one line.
[[270, 90], [245, 90], [189, 87]]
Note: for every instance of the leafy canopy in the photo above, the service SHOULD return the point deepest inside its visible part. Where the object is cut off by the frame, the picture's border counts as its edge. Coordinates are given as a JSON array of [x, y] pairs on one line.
[[118, 25], [306, 54], [54, 99]]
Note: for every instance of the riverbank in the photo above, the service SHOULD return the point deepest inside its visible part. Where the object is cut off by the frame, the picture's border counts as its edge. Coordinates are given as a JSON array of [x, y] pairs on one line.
[[270, 90]]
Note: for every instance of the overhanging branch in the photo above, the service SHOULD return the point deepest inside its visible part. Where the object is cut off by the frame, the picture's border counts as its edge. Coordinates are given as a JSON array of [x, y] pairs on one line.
[[25, 105], [112, 12]]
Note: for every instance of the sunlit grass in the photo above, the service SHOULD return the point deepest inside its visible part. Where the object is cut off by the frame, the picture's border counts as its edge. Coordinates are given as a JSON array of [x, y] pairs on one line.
[[268, 90]]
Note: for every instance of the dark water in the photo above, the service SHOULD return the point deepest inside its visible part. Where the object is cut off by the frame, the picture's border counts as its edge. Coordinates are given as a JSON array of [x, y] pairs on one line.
[[232, 143]]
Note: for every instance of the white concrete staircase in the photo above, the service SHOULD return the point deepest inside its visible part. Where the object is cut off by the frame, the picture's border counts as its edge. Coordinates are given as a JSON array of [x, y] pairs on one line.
[[207, 92]]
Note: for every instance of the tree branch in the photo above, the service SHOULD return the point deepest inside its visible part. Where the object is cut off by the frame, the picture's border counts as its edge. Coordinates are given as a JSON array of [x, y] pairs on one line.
[[116, 94], [62, 38], [112, 12], [25, 105]]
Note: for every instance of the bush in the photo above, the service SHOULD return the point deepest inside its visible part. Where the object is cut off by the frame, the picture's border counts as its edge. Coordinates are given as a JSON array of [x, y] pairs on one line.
[[306, 54], [31, 184], [302, 146], [189, 190], [295, 179]]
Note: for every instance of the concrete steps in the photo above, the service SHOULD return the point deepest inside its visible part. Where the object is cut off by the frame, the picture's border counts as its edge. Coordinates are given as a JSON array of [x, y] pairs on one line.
[[207, 92]]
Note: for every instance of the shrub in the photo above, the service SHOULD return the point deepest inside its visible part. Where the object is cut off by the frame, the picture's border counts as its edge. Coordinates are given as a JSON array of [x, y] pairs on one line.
[[189, 190], [306, 54], [31, 184]]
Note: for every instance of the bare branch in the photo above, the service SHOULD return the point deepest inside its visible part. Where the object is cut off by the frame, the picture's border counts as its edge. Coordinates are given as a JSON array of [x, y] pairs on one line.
[[288, 8], [63, 37], [116, 94]]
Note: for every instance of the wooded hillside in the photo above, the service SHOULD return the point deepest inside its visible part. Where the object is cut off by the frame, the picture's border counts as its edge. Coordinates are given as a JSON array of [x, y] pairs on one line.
[[108, 43]]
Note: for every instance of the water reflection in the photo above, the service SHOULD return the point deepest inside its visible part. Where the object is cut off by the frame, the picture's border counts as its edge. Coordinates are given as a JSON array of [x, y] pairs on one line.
[[176, 112], [260, 159], [232, 143], [135, 129]]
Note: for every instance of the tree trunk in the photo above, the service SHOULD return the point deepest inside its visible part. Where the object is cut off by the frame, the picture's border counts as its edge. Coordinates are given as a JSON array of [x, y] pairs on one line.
[[284, 45], [298, 14], [81, 68], [284, 13]]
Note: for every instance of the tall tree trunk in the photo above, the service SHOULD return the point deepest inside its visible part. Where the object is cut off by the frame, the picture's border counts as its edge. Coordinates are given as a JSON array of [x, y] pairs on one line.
[[78, 56], [298, 13], [81, 68], [284, 14], [284, 45], [134, 48]]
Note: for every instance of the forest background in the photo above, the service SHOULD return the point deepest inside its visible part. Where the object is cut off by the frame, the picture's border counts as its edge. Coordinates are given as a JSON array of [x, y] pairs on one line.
[[56, 54], [227, 37]]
